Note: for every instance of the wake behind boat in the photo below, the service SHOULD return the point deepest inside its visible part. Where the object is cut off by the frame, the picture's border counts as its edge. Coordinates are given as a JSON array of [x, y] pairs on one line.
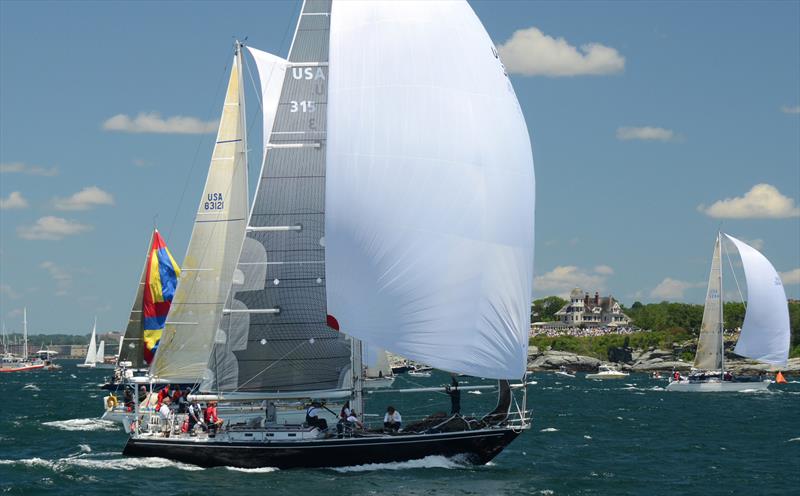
[[349, 239], [765, 334]]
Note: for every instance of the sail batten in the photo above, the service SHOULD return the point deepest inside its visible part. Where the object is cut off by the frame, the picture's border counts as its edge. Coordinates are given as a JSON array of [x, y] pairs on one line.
[[765, 335]]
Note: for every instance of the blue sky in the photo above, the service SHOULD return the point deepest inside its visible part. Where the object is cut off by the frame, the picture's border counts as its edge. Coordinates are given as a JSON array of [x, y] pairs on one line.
[[639, 113]]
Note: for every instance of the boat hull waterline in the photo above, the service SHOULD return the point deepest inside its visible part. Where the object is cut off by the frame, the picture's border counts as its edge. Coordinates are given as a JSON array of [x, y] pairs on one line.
[[478, 447], [717, 387]]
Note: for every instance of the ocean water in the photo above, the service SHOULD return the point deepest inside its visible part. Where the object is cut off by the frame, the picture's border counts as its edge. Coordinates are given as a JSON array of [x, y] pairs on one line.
[[589, 437]]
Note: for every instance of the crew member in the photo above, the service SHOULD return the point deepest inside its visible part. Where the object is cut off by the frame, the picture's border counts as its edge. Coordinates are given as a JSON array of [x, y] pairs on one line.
[[392, 421], [455, 396], [312, 416]]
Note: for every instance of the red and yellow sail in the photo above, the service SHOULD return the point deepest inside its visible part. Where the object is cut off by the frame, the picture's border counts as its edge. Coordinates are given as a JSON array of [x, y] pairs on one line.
[[161, 278]]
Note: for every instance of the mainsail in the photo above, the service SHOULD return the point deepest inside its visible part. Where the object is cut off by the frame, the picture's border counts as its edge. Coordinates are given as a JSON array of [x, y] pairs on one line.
[[209, 264], [430, 188], [91, 351], [132, 349], [101, 352], [277, 337], [709, 345], [765, 333]]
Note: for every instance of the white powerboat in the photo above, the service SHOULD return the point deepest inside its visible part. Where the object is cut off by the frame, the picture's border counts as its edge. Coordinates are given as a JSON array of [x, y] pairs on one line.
[[607, 372]]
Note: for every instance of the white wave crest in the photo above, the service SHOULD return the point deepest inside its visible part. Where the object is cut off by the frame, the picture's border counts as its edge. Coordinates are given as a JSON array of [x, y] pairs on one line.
[[433, 461], [587, 437], [85, 448], [31, 387], [128, 463], [85, 424], [793, 439], [260, 470], [549, 429], [474, 392]]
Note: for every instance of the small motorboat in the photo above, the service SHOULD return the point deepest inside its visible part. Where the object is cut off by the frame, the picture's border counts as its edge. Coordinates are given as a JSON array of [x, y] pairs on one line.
[[607, 372], [563, 372]]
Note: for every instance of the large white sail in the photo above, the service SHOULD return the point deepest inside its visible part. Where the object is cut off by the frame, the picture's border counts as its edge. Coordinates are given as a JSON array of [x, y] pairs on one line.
[[208, 267], [91, 351], [765, 333], [271, 73], [430, 188], [709, 344]]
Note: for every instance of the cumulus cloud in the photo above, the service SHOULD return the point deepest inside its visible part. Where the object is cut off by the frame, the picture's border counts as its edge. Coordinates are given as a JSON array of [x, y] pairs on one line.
[[31, 170], [88, 197], [757, 243], [564, 278], [604, 269], [61, 277], [533, 53], [645, 133], [152, 122], [14, 200], [791, 277], [786, 109], [672, 289], [52, 228], [763, 201]]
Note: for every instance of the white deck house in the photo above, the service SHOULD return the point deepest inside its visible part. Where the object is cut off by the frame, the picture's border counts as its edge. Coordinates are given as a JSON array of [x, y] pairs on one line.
[[588, 311]]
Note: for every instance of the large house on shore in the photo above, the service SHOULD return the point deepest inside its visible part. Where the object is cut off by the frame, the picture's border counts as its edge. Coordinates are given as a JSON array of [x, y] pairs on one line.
[[588, 311]]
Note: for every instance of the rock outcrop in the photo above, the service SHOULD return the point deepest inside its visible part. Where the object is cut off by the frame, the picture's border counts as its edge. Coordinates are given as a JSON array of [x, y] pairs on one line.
[[553, 360]]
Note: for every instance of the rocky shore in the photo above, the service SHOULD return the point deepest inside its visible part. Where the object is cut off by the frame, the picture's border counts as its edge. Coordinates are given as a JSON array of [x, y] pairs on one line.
[[644, 361]]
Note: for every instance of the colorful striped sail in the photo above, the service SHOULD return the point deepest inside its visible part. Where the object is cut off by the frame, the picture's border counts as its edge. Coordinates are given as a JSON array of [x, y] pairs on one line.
[[161, 278]]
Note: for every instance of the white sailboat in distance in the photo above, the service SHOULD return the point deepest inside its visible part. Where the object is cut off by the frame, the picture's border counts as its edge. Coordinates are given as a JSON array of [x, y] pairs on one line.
[[765, 335]]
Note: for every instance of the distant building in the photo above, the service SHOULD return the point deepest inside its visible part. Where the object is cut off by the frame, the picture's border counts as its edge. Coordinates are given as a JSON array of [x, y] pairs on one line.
[[588, 311]]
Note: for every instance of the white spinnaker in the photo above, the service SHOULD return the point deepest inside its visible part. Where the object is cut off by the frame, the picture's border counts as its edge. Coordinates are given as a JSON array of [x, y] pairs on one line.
[[709, 344], [216, 241], [91, 351], [271, 73], [429, 189], [765, 333]]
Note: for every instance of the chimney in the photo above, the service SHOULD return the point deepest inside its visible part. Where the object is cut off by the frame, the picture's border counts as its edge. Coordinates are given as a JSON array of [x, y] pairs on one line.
[[596, 298], [586, 300]]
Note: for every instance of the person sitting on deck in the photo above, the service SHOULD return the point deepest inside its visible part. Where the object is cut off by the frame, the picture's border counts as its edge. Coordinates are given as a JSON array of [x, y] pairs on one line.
[[164, 393], [676, 376], [195, 417], [312, 416], [392, 421], [211, 418], [727, 376]]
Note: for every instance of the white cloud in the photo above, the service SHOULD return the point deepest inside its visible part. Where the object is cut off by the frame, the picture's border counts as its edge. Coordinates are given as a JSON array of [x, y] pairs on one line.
[[672, 289], [8, 291], [61, 277], [645, 133], [533, 53], [31, 170], [604, 269], [763, 201], [14, 200], [758, 243], [791, 277], [84, 199], [786, 109], [52, 228], [151, 122], [564, 278]]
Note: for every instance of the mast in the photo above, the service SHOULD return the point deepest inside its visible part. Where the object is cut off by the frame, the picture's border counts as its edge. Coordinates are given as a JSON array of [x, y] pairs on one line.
[[358, 376], [242, 110], [721, 305]]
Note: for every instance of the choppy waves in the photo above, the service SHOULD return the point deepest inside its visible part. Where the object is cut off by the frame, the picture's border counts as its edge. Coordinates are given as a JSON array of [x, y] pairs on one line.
[[93, 463], [434, 461], [85, 424]]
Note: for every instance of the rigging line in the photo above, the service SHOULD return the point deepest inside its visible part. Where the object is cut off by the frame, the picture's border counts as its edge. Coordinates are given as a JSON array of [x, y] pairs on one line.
[[200, 144], [728, 256], [272, 364]]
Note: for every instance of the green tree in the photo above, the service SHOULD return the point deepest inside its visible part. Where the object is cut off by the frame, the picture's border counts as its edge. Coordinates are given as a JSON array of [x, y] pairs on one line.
[[544, 309]]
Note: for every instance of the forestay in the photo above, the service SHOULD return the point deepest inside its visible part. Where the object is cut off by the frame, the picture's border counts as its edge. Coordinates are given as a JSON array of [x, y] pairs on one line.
[[709, 344], [430, 188], [765, 333], [210, 260]]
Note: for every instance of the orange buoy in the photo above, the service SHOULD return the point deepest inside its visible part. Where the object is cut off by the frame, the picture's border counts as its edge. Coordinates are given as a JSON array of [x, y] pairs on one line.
[[780, 379]]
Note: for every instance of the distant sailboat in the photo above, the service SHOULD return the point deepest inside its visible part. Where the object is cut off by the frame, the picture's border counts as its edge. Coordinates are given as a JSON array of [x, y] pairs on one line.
[[95, 353], [765, 335], [12, 363]]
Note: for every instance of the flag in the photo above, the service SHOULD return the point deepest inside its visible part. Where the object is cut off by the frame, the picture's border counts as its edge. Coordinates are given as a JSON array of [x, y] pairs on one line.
[[161, 278]]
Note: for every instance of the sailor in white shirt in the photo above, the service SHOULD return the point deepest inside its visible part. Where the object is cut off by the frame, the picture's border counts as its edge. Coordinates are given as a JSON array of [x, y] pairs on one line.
[[392, 421], [165, 416]]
